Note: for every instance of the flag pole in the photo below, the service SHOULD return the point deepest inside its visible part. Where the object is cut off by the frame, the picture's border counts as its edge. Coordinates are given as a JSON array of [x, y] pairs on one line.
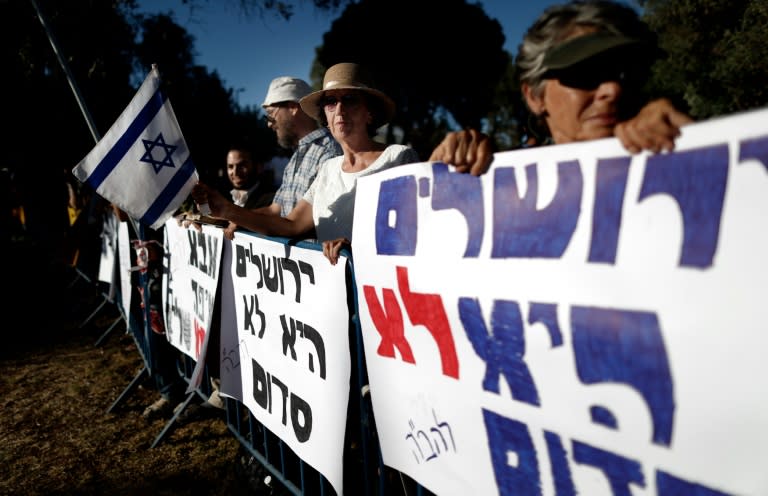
[[76, 91], [70, 78]]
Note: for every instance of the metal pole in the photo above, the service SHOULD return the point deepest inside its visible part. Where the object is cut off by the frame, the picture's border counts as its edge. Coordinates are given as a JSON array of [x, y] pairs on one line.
[[70, 78]]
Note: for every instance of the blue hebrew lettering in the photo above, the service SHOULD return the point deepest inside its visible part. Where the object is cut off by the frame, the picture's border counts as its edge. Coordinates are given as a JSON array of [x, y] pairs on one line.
[[601, 415], [464, 192], [546, 314], [505, 435], [610, 185], [502, 351], [438, 430], [397, 195], [620, 471], [561, 472], [669, 485], [519, 229], [754, 149], [696, 179], [627, 347]]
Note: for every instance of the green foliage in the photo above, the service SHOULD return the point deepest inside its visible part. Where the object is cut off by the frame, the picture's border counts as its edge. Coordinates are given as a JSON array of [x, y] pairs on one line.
[[431, 69], [717, 55], [109, 50]]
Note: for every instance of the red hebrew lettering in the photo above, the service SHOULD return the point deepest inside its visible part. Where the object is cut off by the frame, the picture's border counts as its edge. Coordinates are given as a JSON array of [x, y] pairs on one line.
[[389, 324], [428, 310], [199, 337]]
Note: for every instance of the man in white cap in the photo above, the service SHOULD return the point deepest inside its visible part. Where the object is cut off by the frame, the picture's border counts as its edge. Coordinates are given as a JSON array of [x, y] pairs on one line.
[[295, 130]]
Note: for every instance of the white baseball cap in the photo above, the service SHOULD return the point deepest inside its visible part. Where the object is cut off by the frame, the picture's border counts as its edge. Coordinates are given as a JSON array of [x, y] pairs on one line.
[[286, 89]]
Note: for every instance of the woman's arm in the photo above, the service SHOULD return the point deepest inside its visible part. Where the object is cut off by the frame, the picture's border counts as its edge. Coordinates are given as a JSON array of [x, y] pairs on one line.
[[298, 223]]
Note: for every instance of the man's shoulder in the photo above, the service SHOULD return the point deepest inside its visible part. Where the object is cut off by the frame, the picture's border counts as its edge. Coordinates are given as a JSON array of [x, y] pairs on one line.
[[321, 137]]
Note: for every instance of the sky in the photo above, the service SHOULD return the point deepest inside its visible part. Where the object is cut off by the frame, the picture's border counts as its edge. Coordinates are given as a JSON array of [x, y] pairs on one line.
[[233, 45]]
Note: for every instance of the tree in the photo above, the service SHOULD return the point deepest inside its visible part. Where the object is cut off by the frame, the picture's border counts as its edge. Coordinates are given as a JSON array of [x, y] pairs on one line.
[[434, 75], [717, 59], [207, 111]]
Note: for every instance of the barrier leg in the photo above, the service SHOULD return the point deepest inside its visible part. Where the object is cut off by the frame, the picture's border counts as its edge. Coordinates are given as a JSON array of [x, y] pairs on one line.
[[171, 423], [143, 373], [109, 329]]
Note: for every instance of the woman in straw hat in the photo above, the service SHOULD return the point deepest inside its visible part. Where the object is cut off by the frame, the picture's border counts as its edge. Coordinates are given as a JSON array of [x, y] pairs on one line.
[[582, 67], [353, 109]]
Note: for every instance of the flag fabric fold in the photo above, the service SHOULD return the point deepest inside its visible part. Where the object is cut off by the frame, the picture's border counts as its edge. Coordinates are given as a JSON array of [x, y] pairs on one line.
[[142, 165]]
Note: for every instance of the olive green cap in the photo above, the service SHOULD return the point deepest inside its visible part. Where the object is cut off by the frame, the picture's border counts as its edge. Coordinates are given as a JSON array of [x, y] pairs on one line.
[[581, 48]]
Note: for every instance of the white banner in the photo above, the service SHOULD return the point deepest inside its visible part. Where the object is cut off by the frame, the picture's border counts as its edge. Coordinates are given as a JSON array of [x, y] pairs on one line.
[[293, 325], [575, 321], [192, 264], [124, 255]]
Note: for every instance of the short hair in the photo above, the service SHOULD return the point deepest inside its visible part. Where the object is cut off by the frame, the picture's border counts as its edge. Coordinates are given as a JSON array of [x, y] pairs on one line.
[[556, 23]]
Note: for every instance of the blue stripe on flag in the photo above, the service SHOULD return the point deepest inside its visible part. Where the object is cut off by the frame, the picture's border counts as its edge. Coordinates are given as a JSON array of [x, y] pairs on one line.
[[169, 193], [126, 141]]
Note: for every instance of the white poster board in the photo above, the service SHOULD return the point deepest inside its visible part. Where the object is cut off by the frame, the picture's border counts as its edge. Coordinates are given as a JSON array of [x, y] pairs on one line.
[[124, 253], [192, 264], [577, 320], [293, 330]]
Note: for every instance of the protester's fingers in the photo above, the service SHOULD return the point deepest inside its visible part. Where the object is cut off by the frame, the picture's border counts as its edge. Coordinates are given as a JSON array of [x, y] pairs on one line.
[[328, 252]]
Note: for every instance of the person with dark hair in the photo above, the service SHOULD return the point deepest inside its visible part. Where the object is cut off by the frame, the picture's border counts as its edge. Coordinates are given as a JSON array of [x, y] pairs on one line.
[[582, 67], [252, 186], [353, 109]]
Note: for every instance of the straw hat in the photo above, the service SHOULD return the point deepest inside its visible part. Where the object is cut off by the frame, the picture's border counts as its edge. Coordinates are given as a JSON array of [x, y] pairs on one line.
[[348, 76]]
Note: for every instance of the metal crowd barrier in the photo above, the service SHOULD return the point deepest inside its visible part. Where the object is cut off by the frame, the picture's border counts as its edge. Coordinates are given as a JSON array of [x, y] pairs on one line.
[[364, 471]]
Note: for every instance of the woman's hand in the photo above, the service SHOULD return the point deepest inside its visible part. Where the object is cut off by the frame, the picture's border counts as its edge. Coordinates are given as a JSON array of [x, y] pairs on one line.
[[654, 128], [332, 248], [468, 151], [229, 231]]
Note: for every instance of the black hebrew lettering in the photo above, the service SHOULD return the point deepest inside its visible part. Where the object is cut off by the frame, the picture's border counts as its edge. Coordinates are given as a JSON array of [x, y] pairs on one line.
[[301, 418], [249, 311], [310, 334], [261, 387], [289, 337], [272, 273], [284, 390]]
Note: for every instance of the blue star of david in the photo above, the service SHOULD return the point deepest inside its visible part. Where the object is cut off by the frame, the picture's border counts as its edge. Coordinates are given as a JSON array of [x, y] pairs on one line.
[[149, 158]]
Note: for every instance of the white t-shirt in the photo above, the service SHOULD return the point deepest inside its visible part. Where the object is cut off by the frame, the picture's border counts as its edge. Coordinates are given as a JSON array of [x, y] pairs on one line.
[[332, 193]]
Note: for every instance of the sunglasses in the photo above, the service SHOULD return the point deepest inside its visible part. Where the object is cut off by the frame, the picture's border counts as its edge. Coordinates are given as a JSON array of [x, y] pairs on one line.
[[348, 100], [589, 75]]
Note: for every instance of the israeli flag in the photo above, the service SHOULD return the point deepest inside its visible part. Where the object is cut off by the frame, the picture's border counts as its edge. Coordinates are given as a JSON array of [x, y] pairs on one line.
[[142, 165]]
